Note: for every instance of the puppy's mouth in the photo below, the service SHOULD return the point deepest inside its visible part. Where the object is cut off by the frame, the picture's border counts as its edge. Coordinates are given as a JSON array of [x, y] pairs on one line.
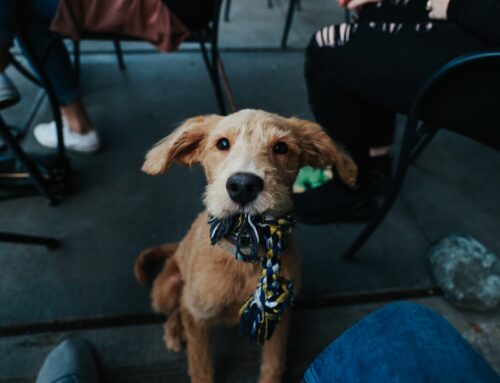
[[241, 231], [244, 232], [243, 238]]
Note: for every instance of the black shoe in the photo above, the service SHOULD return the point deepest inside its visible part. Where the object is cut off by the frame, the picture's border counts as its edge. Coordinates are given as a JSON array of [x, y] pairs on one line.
[[381, 174], [335, 202]]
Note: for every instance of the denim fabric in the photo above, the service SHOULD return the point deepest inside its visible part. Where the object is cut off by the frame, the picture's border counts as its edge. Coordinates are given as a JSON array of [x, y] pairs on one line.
[[401, 342], [72, 361], [39, 15]]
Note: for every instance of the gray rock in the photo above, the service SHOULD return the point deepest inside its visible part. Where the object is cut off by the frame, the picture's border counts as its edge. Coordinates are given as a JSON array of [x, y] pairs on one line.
[[468, 272]]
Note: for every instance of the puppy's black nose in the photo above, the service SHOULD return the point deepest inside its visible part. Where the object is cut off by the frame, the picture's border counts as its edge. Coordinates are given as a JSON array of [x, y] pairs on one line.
[[244, 187]]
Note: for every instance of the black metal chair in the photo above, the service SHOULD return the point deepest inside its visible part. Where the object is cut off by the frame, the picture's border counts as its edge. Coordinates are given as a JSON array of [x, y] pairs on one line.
[[40, 183], [44, 185], [41, 80], [417, 136], [212, 60]]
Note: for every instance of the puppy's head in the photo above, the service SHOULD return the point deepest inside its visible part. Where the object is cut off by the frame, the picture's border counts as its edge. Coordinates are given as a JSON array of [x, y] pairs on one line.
[[251, 159]]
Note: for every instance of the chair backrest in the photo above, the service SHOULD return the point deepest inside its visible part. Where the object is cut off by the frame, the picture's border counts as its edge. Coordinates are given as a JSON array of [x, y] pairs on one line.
[[481, 69], [211, 27]]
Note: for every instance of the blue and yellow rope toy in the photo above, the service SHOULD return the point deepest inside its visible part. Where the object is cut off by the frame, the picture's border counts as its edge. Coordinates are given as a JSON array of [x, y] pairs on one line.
[[263, 310]]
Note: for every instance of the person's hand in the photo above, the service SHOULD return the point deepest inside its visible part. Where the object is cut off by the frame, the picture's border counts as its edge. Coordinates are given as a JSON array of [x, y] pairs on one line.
[[438, 9], [356, 4]]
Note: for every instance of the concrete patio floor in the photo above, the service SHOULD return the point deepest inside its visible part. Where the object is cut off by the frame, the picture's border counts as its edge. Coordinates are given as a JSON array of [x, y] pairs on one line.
[[116, 211]]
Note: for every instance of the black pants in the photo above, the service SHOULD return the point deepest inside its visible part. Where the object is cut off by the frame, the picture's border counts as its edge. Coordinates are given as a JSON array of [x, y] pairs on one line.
[[360, 75]]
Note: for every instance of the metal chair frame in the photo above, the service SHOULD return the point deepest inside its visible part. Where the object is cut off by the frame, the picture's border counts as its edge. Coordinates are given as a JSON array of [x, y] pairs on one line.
[[415, 139], [212, 59], [40, 183], [42, 81], [213, 63]]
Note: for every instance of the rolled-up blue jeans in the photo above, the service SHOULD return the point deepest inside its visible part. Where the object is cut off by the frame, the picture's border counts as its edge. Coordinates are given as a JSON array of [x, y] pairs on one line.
[[401, 342], [39, 15]]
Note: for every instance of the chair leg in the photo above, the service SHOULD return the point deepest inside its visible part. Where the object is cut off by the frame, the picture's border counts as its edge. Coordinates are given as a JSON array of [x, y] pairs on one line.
[[410, 141], [76, 59], [24, 71], [33, 171], [33, 56], [119, 54], [425, 141], [50, 243], [213, 71], [270, 4], [289, 17], [227, 89], [227, 10]]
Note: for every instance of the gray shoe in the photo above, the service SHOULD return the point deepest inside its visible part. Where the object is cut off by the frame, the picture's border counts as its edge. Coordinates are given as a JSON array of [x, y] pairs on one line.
[[9, 95], [71, 361]]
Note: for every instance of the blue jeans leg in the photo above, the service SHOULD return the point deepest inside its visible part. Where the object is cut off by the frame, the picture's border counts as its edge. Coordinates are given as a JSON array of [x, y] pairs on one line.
[[39, 15], [401, 342]]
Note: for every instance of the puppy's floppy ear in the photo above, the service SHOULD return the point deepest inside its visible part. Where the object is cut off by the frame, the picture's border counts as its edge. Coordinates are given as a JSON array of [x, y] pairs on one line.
[[319, 151], [183, 145]]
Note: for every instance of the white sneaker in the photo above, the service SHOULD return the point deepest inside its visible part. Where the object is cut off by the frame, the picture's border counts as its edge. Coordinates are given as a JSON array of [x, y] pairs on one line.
[[46, 135], [9, 95]]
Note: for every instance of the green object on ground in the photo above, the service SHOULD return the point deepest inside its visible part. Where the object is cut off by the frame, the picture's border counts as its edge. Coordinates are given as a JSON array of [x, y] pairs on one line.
[[311, 178]]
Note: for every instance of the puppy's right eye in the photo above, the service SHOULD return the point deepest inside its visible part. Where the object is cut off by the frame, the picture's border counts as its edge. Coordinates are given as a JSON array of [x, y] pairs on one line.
[[223, 144]]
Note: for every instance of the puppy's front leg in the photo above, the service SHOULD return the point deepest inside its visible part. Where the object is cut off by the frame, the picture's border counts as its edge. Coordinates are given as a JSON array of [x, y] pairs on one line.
[[274, 353], [200, 363]]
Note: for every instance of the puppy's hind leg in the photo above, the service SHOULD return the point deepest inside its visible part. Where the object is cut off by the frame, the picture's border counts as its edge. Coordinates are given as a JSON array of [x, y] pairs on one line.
[[174, 332], [167, 289]]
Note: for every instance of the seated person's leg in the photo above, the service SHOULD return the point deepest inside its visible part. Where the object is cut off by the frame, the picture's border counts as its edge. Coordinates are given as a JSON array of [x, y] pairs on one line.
[[8, 92], [78, 131], [401, 342], [356, 72], [399, 11]]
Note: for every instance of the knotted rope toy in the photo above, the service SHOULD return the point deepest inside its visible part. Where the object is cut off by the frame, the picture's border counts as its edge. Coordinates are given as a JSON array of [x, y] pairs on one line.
[[262, 311]]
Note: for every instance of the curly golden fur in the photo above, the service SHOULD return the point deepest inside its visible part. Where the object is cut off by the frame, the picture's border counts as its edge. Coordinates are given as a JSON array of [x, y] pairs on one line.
[[200, 284]]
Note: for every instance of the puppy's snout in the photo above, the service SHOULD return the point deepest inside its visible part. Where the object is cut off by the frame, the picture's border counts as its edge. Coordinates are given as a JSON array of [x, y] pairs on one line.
[[244, 187]]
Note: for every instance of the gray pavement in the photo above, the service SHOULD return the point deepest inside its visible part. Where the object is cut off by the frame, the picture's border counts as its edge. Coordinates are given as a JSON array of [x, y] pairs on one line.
[[115, 211]]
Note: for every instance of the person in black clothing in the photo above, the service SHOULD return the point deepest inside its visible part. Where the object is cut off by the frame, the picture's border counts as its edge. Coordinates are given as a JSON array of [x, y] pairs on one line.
[[360, 74]]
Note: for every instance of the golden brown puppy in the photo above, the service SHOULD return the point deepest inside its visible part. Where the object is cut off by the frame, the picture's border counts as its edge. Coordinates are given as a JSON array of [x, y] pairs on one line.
[[201, 284]]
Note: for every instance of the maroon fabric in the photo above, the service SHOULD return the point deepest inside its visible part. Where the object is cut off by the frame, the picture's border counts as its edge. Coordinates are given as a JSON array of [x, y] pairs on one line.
[[150, 20]]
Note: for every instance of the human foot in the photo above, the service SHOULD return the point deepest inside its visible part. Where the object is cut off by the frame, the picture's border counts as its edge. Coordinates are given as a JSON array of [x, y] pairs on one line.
[[334, 202], [46, 135]]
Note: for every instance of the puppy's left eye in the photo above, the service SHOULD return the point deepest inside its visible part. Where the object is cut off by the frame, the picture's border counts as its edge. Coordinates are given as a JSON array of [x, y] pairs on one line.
[[223, 144], [280, 148]]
